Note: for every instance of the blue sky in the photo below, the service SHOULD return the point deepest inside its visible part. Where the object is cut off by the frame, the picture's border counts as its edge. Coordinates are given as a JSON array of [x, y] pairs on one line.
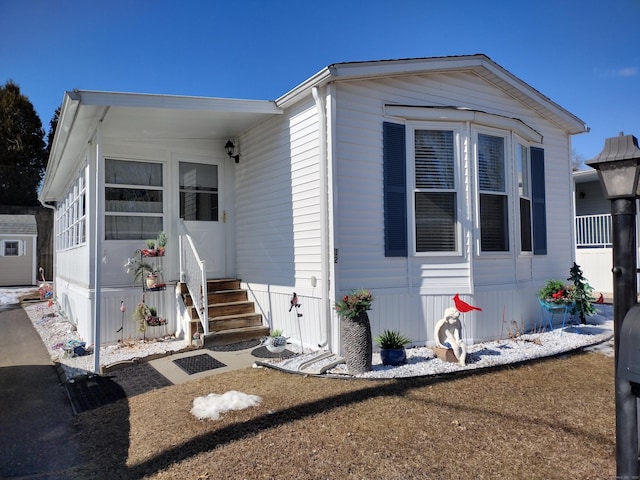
[[584, 55]]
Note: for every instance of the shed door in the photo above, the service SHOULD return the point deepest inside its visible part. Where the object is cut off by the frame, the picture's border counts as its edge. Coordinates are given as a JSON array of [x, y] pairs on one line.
[[203, 213]]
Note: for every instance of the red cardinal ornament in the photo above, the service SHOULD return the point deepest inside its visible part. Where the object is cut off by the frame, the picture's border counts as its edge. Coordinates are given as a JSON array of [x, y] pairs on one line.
[[462, 306]]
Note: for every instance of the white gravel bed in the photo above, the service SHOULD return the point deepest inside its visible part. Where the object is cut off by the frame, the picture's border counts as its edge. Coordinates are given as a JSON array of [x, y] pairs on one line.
[[56, 331], [422, 362]]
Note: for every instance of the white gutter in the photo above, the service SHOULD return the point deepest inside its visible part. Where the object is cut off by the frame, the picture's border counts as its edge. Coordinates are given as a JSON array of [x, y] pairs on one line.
[[324, 217]]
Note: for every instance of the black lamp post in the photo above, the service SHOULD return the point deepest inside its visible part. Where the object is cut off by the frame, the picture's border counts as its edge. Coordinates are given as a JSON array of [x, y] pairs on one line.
[[618, 167]]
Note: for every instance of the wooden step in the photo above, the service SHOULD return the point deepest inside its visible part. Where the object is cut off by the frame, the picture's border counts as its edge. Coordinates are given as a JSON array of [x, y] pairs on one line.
[[227, 337], [223, 284], [226, 309], [232, 318], [227, 296], [231, 322], [216, 297]]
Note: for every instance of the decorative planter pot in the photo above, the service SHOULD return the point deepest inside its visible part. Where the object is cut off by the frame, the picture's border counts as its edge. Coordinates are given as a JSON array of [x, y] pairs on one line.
[[276, 344], [151, 280], [356, 342], [393, 356], [276, 349]]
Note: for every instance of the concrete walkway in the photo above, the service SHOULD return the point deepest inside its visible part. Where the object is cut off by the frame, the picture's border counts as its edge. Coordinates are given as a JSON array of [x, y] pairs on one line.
[[36, 434]]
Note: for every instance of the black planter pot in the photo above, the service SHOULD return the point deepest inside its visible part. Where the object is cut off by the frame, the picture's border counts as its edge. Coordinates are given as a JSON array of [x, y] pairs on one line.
[[393, 356]]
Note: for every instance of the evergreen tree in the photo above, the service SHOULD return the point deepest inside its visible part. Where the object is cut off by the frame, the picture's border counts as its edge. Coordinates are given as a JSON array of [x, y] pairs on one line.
[[581, 294], [53, 126], [23, 156]]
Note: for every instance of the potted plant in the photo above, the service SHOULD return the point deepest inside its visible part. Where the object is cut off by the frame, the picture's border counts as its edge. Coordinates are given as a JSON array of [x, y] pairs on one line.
[[151, 250], [355, 330], [580, 294], [140, 315], [161, 242], [391, 343], [138, 268], [276, 342], [152, 279], [555, 293]]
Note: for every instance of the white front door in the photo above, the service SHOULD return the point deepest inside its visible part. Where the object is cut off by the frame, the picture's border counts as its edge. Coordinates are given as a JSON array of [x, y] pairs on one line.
[[201, 197]]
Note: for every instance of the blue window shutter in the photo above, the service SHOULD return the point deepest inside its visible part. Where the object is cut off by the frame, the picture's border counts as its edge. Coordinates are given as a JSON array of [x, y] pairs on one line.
[[538, 202], [395, 190]]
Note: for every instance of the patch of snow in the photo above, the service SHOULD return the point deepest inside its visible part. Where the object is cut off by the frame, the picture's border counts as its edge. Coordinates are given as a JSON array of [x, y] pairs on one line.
[[211, 406], [11, 295]]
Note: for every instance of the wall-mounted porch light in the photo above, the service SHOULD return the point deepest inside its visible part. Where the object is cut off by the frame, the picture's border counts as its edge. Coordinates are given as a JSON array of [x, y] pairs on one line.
[[230, 148]]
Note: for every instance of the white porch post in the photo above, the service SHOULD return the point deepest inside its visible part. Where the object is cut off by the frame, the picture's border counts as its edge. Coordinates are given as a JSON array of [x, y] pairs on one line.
[[97, 256]]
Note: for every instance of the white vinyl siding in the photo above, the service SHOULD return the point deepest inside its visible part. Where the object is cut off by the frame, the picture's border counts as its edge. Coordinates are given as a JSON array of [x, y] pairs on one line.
[[358, 206], [277, 200]]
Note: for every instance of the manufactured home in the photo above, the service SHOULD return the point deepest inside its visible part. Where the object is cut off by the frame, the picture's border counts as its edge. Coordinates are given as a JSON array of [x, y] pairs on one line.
[[414, 178]]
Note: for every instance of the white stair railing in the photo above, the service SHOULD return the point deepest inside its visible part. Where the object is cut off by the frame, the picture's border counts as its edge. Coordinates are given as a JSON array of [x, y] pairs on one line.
[[194, 273], [593, 231]]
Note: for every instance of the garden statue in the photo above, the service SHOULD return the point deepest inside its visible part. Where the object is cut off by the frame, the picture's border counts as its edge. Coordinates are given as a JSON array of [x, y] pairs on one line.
[[448, 334]]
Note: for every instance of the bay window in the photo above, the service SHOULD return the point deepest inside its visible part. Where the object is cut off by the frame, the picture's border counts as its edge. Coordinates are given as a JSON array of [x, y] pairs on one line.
[[435, 193], [524, 193], [494, 197], [423, 193]]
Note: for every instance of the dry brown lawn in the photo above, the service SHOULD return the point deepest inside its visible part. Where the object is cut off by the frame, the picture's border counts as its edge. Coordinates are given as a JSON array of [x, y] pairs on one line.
[[549, 419]]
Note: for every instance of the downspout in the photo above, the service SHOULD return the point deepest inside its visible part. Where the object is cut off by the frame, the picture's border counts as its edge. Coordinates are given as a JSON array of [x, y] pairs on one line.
[[97, 270], [324, 217], [54, 250]]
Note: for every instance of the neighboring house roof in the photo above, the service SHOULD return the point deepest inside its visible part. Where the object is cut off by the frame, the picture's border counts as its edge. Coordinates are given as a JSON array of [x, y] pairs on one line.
[[582, 176], [18, 225]]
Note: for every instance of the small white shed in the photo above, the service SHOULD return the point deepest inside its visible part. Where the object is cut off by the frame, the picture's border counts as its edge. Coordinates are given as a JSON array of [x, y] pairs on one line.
[[18, 240]]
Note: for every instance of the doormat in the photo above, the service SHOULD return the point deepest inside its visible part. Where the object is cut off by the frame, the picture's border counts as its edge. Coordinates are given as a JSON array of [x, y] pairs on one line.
[[198, 363], [234, 347], [94, 391]]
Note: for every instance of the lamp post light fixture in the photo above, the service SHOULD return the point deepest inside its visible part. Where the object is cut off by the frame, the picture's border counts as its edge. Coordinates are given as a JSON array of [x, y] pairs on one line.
[[230, 148], [618, 167]]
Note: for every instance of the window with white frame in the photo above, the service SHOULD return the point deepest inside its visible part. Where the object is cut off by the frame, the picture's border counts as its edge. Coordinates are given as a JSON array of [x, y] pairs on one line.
[[523, 166], [435, 195], [494, 197], [71, 215], [133, 199], [13, 248]]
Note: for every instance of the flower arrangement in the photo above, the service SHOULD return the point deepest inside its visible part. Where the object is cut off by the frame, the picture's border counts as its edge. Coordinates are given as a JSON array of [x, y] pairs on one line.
[[141, 269], [354, 304], [155, 246], [556, 292]]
